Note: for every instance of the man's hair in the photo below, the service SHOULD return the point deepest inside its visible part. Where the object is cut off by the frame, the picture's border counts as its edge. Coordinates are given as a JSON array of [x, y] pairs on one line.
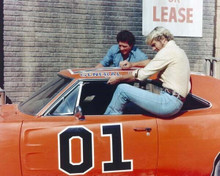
[[157, 34], [126, 36]]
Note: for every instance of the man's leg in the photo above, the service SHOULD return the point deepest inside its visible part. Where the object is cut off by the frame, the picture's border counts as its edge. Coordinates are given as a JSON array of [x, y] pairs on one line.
[[161, 105]]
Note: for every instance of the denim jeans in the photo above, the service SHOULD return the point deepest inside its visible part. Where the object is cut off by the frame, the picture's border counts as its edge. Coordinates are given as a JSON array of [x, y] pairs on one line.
[[162, 105]]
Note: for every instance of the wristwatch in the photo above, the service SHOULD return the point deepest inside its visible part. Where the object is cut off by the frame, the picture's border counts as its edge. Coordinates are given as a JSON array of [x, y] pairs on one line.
[[136, 74]]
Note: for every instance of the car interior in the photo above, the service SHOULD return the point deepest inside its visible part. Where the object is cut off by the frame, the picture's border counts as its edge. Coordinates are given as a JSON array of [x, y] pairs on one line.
[[96, 95]]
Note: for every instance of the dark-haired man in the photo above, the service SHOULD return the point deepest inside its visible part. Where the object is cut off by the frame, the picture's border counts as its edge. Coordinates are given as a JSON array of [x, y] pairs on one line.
[[125, 50]]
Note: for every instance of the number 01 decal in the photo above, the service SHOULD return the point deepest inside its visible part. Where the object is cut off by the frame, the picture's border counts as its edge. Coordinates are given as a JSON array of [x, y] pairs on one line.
[[64, 146], [117, 163]]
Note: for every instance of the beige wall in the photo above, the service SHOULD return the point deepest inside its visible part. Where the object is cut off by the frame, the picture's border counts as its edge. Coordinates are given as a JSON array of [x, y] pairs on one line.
[[217, 40]]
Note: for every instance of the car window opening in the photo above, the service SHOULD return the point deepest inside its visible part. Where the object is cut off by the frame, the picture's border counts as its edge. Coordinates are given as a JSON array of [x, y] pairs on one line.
[[96, 96]]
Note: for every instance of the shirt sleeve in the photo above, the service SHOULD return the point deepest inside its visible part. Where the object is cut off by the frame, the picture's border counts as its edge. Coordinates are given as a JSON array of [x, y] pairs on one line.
[[108, 59], [158, 63]]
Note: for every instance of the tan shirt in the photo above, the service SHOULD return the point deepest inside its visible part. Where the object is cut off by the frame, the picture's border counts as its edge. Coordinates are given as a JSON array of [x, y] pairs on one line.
[[173, 66]]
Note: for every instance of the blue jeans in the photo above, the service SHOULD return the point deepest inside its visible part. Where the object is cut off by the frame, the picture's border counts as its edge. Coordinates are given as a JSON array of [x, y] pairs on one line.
[[162, 105]]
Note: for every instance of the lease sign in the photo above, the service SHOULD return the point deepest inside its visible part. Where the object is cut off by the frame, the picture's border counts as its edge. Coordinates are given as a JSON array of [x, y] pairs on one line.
[[181, 17]]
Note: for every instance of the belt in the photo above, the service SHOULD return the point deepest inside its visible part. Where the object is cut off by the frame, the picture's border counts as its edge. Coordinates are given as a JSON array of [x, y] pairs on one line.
[[175, 94]]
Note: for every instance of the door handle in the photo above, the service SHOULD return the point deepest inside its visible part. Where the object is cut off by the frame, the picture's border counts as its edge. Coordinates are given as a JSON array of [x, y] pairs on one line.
[[148, 130], [142, 129]]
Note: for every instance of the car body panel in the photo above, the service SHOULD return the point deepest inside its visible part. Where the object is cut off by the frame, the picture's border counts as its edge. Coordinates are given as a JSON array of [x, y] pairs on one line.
[[130, 144], [39, 144], [10, 149], [185, 148]]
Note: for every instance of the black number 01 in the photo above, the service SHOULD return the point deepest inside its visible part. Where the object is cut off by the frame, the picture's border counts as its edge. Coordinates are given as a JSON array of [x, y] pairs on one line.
[[117, 163]]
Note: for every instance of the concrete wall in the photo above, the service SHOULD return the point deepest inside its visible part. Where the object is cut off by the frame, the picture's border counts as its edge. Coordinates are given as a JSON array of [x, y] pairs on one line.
[[42, 37]]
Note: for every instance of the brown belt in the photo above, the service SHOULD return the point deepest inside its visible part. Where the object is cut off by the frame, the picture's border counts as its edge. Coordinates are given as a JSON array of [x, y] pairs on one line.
[[175, 94]]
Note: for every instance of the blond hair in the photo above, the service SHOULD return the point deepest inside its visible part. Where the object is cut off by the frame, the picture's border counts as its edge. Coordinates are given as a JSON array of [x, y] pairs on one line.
[[157, 34]]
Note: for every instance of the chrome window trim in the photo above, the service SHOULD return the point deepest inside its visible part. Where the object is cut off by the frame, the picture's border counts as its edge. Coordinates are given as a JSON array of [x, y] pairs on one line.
[[80, 83], [47, 112]]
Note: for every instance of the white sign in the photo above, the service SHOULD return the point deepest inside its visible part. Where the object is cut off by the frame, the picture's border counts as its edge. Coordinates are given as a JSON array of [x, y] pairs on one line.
[[181, 17]]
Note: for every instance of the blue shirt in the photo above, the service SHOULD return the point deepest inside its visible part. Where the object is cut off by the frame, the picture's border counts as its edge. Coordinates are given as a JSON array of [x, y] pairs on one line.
[[114, 56]]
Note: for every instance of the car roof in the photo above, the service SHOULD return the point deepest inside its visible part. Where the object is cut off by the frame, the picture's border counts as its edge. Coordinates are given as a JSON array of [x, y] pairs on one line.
[[102, 72]]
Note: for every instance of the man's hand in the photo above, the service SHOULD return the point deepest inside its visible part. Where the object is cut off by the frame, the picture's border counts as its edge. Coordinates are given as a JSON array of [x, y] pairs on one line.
[[114, 80], [125, 64], [122, 78]]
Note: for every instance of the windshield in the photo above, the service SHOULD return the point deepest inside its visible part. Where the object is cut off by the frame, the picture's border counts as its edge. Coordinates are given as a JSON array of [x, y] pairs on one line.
[[39, 99]]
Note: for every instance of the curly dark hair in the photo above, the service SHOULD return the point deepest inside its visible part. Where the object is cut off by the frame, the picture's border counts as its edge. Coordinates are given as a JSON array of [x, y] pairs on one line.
[[126, 36]]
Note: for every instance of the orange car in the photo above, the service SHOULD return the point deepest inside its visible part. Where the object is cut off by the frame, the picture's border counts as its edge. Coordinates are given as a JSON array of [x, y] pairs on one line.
[[61, 130]]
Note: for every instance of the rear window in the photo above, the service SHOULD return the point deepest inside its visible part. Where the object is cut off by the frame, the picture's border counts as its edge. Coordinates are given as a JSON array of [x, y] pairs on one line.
[[195, 102]]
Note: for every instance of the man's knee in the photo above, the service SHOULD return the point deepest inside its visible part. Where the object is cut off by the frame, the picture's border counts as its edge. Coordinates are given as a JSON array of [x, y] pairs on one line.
[[123, 87]]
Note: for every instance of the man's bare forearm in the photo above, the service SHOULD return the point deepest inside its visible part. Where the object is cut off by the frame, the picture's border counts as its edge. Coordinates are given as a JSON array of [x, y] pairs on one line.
[[127, 78], [122, 78], [127, 65]]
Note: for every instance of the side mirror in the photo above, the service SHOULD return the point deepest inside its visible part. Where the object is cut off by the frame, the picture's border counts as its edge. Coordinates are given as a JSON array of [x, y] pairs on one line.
[[78, 113]]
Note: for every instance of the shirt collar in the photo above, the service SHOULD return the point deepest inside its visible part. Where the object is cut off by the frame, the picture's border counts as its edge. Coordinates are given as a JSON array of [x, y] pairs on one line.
[[170, 43]]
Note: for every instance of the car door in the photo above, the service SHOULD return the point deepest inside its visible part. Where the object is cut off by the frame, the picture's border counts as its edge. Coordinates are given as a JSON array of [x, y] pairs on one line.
[[59, 143], [111, 145]]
